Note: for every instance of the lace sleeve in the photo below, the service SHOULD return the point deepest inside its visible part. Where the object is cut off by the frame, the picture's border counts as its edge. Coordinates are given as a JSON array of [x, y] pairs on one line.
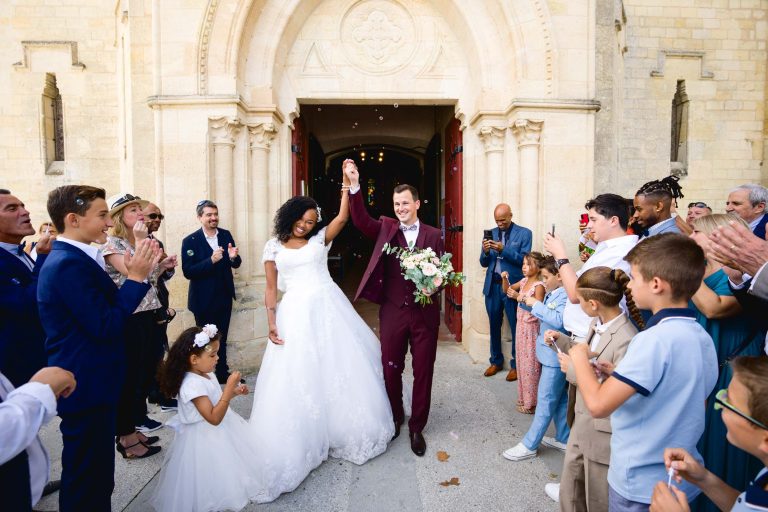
[[270, 250], [319, 239]]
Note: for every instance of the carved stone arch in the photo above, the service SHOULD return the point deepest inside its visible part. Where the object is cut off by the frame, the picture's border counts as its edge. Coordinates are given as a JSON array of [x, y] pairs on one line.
[[263, 30]]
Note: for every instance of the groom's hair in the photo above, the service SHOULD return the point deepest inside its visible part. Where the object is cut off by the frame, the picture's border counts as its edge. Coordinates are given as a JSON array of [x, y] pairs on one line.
[[410, 188]]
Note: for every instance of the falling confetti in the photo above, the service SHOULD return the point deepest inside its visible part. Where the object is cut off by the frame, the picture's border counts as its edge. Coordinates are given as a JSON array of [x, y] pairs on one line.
[[452, 481], [442, 456], [381, 118], [454, 435], [396, 105]]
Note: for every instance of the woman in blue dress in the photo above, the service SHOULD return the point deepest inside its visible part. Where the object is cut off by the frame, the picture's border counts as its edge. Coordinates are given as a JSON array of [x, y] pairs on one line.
[[718, 311]]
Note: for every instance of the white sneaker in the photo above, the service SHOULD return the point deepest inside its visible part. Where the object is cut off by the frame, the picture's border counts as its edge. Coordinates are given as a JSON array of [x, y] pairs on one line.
[[553, 443], [553, 491], [519, 452]]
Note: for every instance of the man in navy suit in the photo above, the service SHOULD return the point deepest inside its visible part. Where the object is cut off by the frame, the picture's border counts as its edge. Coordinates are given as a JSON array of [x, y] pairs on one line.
[[748, 202], [22, 340], [207, 258], [83, 314], [503, 253]]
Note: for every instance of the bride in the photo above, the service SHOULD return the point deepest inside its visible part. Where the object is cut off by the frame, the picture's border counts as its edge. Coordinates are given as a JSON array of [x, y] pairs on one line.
[[320, 389]]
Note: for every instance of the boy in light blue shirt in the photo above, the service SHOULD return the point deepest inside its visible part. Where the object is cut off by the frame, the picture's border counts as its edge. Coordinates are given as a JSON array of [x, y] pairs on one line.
[[657, 392]]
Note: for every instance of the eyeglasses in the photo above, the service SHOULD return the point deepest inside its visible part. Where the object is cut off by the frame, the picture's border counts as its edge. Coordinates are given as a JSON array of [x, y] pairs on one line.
[[127, 198], [154, 216], [721, 400], [698, 205]]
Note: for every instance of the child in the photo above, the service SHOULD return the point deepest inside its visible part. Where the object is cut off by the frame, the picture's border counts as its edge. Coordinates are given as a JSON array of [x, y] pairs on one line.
[[552, 397], [210, 465], [656, 394], [83, 314], [585, 467], [528, 368], [744, 409]]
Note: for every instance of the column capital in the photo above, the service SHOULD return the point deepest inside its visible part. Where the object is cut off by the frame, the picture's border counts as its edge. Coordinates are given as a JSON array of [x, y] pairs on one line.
[[261, 135], [492, 137], [223, 130], [527, 131]]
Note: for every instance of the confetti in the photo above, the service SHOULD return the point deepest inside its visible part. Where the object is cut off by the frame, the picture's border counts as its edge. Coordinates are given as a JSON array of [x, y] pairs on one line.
[[452, 481], [442, 456]]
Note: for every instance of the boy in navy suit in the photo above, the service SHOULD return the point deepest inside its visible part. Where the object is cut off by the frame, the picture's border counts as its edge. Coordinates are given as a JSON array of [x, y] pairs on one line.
[[83, 312], [207, 258]]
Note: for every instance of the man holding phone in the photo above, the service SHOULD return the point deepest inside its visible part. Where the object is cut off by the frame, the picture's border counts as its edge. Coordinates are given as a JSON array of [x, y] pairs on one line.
[[503, 249]]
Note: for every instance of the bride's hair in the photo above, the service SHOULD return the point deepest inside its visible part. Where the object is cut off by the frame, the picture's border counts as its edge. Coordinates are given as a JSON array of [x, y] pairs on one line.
[[170, 373], [291, 211]]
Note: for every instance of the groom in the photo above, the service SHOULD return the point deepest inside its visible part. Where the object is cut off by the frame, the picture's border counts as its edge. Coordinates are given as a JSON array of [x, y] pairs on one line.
[[401, 319]]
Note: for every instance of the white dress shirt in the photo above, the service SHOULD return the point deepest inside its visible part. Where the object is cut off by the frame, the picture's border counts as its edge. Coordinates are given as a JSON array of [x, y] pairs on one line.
[[213, 240], [607, 254], [599, 330], [23, 411], [411, 234], [91, 251]]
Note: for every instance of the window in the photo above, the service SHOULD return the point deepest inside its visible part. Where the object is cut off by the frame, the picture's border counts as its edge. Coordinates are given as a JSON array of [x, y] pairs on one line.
[[53, 126], [679, 145]]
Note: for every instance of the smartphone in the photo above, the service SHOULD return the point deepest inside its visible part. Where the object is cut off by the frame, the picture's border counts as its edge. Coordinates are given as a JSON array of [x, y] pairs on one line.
[[553, 230], [487, 234]]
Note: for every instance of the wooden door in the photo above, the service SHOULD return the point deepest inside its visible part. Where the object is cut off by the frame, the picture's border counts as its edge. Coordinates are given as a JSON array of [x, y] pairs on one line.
[[453, 220], [300, 158]]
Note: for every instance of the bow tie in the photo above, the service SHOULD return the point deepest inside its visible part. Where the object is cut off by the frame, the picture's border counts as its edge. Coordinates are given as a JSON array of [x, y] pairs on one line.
[[412, 227], [20, 248]]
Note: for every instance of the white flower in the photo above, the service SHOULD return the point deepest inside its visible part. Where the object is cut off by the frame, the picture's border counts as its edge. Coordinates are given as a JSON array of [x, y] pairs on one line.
[[552, 305], [429, 269], [211, 330], [204, 337]]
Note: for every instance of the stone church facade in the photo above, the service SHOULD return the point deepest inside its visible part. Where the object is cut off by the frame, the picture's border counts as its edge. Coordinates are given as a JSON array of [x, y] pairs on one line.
[[559, 100]]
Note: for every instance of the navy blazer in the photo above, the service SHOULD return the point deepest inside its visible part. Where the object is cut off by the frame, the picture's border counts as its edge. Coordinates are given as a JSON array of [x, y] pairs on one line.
[[208, 282], [760, 228], [22, 340], [83, 314], [517, 245]]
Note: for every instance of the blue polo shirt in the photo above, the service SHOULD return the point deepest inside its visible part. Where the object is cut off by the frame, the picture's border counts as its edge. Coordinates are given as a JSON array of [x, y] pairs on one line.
[[755, 497], [672, 365]]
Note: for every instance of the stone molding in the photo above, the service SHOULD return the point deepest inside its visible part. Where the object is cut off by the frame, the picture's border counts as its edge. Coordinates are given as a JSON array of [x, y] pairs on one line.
[[204, 45], [261, 135], [664, 54], [224, 130], [26, 45], [527, 131], [492, 137]]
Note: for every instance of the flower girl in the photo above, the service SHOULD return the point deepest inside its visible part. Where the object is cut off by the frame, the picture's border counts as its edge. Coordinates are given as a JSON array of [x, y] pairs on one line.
[[210, 465]]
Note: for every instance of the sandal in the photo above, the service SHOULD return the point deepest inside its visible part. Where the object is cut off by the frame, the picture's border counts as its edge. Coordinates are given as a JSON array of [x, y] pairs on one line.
[[522, 409]]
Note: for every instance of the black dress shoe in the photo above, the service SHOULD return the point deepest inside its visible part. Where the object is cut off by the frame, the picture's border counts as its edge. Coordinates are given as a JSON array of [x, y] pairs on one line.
[[51, 487], [397, 430], [418, 444]]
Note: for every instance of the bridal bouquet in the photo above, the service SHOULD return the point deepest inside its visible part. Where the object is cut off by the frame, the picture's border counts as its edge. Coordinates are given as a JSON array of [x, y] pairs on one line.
[[426, 270]]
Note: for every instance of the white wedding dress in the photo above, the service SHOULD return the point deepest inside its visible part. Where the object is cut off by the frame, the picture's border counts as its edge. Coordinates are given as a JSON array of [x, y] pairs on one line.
[[322, 392]]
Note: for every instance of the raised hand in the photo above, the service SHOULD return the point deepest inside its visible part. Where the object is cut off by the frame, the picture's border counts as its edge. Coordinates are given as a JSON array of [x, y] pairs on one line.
[[140, 230], [61, 381], [217, 255], [169, 262], [737, 247], [232, 252], [44, 244], [344, 178], [555, 246], [350, 171], [146, 257]]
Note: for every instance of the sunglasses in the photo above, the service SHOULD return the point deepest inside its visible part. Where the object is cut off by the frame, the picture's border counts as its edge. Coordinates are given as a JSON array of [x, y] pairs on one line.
[[698, 205], [127, 198], [721, 400], [155, 216]]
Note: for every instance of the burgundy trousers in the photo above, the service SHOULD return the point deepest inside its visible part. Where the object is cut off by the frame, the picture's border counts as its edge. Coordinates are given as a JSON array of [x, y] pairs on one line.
[[418, 326]]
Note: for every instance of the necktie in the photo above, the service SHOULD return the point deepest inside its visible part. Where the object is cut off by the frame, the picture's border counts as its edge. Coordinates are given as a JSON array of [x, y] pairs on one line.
[[20, 249], [497, 269], [412, 227]]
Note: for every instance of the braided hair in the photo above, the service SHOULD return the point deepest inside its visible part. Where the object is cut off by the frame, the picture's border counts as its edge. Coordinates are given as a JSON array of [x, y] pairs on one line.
[[171, 371], [665, 188], [607, 286]]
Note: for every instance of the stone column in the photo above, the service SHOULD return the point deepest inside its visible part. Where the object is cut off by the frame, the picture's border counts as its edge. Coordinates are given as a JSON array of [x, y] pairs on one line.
[[493, 140], [260, 139], [528, 134], [223, 131]]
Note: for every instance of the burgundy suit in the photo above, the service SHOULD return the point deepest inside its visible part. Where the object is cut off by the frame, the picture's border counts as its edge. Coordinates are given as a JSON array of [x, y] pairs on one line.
[[401, 319]]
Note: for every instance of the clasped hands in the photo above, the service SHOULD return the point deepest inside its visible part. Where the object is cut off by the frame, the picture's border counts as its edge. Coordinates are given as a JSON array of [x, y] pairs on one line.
[[218, 254]]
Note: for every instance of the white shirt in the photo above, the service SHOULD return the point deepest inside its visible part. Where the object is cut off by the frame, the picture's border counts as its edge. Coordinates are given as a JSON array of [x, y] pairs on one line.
[[91, 251], [22, 413], [599, 330], [410, 236], [607, 254], [213, 240]]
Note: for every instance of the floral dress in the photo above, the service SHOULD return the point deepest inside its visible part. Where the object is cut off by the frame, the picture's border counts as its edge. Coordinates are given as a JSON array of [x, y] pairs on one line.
[[528, 366]]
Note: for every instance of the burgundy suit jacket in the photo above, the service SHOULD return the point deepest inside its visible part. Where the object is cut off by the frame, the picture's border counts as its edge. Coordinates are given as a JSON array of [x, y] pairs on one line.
[[383, 280]]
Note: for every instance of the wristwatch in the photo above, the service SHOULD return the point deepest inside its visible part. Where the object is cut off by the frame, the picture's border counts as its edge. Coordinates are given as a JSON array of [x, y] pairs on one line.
[[561, 262]]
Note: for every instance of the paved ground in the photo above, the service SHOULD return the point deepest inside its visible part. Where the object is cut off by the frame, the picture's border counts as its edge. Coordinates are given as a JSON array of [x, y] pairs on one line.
[[472, 419]]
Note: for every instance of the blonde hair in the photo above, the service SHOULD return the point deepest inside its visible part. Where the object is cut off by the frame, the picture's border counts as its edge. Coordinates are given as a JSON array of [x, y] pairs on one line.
[[709, 223], [119, 230]]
